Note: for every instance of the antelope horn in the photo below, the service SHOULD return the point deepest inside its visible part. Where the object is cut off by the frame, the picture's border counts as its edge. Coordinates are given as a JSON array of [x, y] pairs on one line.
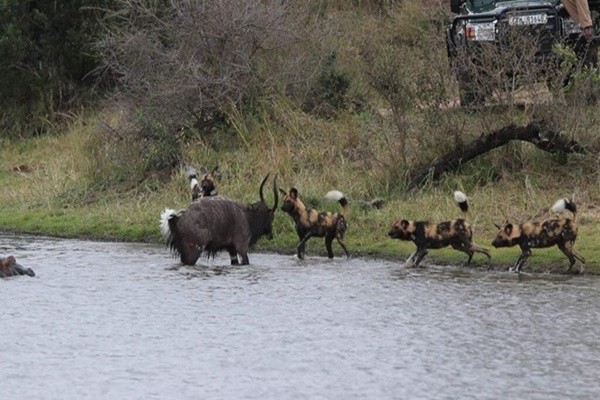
[[260, 192], [275, 193]]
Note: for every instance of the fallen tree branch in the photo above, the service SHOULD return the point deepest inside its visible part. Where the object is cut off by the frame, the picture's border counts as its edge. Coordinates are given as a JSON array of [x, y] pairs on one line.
[[536, 133]]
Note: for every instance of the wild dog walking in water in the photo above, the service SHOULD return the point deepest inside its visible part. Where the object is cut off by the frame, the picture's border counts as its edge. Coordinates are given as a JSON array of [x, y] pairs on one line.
[[206, 186], [311, 223], [561, 232], [427, 235]]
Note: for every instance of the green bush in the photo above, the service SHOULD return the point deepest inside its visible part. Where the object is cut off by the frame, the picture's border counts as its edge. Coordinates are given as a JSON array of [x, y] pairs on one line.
[[46, 60]]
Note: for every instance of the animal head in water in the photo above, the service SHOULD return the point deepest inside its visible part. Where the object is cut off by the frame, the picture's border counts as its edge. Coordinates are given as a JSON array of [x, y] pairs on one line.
[[10, 267]]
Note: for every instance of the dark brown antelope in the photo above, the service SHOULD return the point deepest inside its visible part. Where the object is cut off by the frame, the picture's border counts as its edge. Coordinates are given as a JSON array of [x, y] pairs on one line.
[[214, 224]]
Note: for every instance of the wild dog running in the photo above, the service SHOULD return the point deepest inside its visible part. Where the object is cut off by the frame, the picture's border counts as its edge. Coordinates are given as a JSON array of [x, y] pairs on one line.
[[561, 232], [311, 223], [427, 235]]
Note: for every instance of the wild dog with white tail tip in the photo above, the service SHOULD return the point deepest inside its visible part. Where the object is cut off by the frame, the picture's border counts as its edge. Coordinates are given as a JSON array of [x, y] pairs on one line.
[[427, 235], [311, 223], [206, 186], [561, 232]]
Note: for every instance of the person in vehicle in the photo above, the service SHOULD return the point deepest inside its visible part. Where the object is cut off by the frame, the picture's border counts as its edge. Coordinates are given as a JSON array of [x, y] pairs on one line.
[[579, 10]]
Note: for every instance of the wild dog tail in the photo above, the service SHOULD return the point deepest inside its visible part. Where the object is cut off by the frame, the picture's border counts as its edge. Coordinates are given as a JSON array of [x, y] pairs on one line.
[[165, 217], [336, 195], [192, 177], [567, 204], [462, 201]]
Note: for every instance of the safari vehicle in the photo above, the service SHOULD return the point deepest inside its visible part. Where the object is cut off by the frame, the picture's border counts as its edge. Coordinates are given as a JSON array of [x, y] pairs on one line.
[[496, 25]]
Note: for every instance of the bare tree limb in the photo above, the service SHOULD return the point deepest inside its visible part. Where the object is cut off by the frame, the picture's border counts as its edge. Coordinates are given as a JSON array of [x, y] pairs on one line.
[[537, 133]]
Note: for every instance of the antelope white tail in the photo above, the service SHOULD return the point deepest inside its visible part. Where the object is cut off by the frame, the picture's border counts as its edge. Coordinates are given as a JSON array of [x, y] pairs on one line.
[[164, 221]]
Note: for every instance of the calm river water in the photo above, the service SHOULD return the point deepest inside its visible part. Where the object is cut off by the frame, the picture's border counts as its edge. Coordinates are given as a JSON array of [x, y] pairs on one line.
[[123, 321]]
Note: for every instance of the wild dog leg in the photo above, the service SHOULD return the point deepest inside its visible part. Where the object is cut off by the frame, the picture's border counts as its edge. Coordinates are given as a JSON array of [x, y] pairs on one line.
[[569, 247], [419, 256], [341, 242], [328, 242], [461, 247], [300, 249], [572, 255], [521, 260]]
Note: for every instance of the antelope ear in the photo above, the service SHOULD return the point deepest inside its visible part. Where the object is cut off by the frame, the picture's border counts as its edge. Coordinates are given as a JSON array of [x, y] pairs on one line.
[[294, 193], [404, 224]]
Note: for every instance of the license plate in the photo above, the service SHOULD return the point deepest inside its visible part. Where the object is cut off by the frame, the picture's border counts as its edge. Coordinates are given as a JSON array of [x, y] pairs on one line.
[[533, 19]]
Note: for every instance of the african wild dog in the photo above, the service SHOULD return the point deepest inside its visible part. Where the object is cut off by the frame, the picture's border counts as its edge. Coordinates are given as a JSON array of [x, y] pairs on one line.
[[206, 187], [427, 235], [311, 223], [561, 232]]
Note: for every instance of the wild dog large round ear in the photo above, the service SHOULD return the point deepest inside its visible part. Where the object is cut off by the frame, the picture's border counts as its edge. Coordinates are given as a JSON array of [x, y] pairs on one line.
[[508, 228], [294, 192], [404, 224]]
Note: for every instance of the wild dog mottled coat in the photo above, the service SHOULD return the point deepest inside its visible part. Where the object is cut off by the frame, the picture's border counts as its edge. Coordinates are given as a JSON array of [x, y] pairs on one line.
[[213, 224], [427, 235], [311, 223], [561, 232], [206, 186]]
